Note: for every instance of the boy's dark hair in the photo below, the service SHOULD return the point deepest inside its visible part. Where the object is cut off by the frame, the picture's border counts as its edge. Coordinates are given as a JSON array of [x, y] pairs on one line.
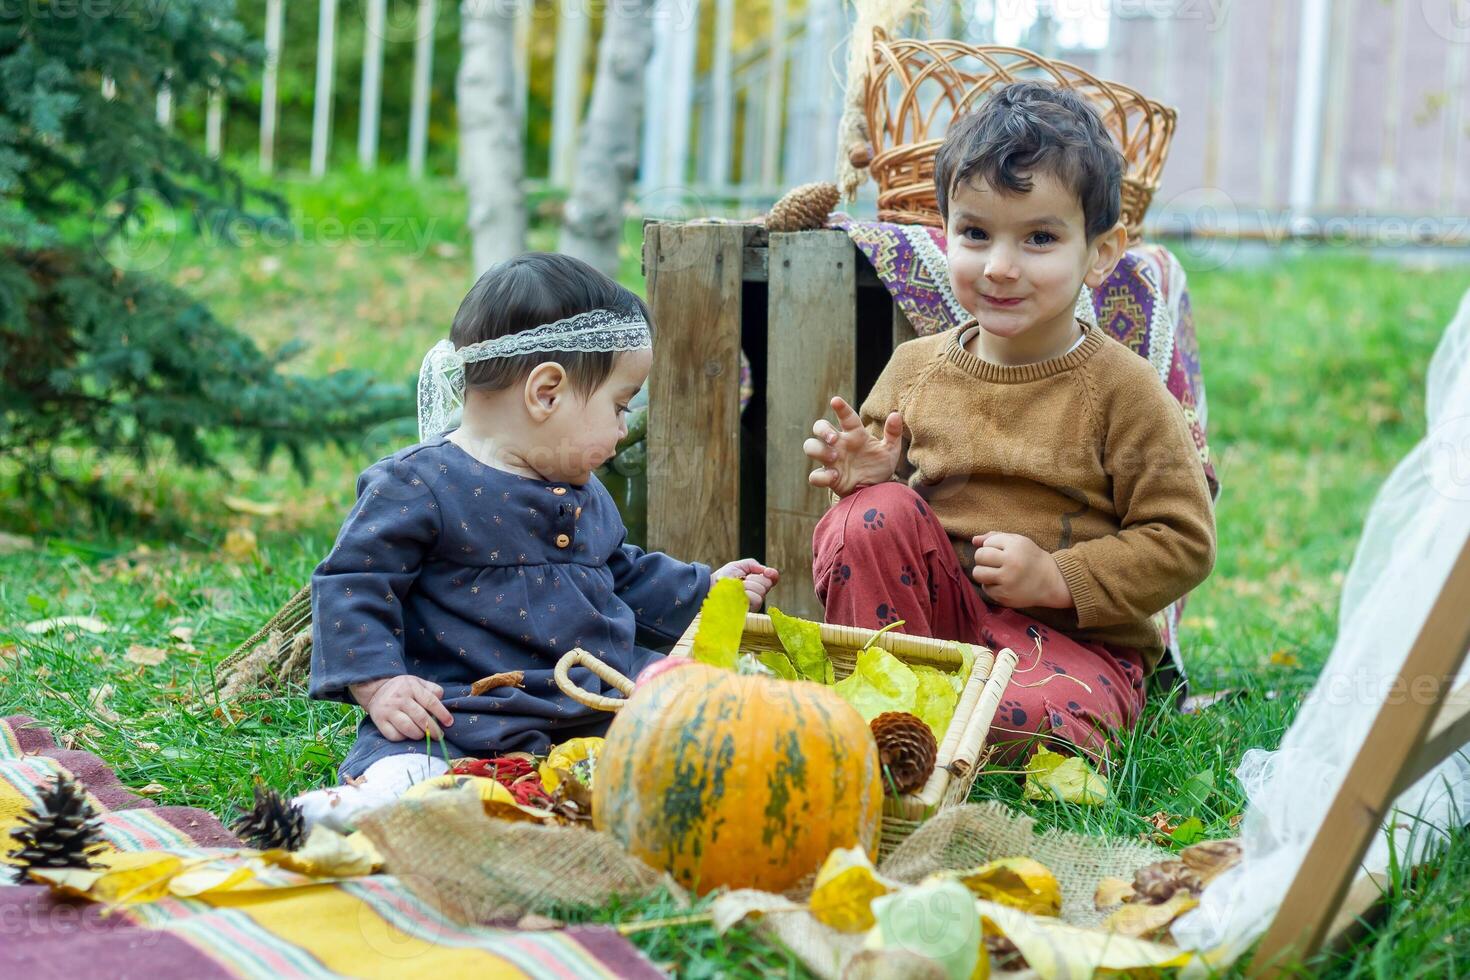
[[531, 290], [1030, 127]]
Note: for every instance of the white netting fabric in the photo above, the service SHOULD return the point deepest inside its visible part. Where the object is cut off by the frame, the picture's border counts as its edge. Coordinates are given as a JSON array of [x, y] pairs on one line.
[[1413, 533], [441, 376]]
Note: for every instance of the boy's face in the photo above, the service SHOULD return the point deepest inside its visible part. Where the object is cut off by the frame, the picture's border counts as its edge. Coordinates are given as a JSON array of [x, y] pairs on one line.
[[1017, 261]]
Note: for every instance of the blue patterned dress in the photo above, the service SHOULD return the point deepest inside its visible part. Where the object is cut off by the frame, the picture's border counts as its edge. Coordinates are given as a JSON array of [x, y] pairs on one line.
[[452, 570]]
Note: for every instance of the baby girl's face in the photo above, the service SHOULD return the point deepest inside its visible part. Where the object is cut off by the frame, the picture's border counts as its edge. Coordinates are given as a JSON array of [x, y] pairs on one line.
[[587, 435], [1017, 261]]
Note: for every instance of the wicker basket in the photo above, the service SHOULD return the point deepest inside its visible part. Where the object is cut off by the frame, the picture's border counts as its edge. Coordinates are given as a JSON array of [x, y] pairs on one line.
[[911, 82], [961, 751]]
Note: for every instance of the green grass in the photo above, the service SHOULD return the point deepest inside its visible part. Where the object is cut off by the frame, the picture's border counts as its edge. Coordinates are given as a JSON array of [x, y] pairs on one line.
[[1315, 370]]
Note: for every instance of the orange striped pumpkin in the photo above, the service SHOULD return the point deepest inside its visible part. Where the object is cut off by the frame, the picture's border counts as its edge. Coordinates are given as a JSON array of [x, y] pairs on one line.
[[743, 781]]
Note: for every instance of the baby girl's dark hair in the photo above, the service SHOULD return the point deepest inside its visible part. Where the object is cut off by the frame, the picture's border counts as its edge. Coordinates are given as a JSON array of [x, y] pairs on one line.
[[1028, 127], [530, 290]]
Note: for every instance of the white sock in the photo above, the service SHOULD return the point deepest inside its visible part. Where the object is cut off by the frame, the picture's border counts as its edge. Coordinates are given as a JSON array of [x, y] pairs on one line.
[[338, 807]]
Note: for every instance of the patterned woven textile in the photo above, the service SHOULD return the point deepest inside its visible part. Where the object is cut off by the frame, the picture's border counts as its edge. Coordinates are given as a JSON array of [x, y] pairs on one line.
[[1144, 305], [283, 925]]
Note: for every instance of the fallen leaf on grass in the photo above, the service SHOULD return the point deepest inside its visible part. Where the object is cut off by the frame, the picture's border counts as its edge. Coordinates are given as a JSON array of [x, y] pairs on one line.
[[97, 703], [11, 543], [9, 651], [184, 637], [257, 508], [145, 656], [1055, 949], [511, 678], [239, 544], [74, 624], [1053, 776], [1285, 658], [152, 789]]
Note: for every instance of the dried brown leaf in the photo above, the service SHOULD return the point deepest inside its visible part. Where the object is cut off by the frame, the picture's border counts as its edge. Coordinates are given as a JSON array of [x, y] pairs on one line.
[[1110, 892], [145, 656], [1210, 858], [511, 678]]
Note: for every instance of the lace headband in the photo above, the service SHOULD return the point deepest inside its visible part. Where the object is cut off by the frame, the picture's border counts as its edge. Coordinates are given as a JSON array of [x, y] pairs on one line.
[[441, 376]]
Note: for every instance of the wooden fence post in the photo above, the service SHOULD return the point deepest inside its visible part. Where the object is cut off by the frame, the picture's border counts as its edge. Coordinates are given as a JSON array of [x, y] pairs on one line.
[[693, 278], [811, 324]]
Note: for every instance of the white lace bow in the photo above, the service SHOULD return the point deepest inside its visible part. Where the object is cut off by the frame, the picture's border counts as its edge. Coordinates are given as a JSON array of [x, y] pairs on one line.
[[441, 376]]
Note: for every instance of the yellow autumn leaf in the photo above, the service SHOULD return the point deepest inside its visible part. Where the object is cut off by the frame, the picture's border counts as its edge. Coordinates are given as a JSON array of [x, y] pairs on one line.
[[495, 798], [1140, 919], [1285, 658], [122, 877], [577, 756], [1068, 779], [1060, 951], [328, 854], [239, 544], [202, 881], [1019, 882], [844, 891]]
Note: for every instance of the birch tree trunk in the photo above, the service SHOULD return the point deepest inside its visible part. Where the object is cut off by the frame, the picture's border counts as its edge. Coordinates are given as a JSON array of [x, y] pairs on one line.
[[607, 159], [490, 146]]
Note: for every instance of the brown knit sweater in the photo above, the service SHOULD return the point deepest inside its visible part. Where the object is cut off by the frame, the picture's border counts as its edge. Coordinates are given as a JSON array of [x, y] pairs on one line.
[[1086, 454]]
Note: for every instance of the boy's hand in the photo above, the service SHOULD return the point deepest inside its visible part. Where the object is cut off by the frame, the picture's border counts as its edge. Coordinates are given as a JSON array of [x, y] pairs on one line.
[[758, 579], [404, 707], [848, 456], [1015, 572]]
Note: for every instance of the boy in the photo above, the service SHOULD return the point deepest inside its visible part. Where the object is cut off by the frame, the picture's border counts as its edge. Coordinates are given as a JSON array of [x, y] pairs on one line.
[[1023, 480]]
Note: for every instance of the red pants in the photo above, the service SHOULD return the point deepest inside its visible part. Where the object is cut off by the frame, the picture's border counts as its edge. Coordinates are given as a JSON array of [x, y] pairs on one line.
[[880, 555]]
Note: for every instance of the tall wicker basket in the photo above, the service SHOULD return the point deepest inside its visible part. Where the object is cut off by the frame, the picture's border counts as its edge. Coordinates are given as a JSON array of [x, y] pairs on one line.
[[912, 82], [961, 750]]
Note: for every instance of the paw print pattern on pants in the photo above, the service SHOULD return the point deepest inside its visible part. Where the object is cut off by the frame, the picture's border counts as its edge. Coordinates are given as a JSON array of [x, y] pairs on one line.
[[1013, 712], [886, 614], [907, 575], [873, 519]]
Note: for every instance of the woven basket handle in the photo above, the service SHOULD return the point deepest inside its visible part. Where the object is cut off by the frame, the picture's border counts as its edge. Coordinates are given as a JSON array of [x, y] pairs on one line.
[[581, 658]]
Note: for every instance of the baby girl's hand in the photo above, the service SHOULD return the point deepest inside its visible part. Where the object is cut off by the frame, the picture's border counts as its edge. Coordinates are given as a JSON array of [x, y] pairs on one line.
[[401, 706], [1016, 572], [758, 579], [848, 456]]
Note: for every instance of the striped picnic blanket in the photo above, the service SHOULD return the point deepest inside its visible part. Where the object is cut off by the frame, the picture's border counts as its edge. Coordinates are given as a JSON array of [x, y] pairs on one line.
[[285, 925]]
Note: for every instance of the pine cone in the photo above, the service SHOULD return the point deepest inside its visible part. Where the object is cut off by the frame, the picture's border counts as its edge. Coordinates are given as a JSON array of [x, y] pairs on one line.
[[803, 208], [60, 831], [1157, 883], [906, 748], [273, 823]]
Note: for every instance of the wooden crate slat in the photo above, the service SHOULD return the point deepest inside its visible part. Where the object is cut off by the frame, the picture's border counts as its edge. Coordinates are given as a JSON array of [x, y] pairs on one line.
[[812, 318], [693, 286]]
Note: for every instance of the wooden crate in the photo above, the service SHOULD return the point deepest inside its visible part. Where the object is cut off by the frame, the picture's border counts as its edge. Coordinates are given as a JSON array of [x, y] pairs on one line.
[[815, 322], [963, 747]]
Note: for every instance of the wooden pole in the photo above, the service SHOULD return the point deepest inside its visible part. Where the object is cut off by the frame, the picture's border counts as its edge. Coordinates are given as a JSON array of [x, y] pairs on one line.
[[321, 117], [684, 36], [371, 99], [423, 72], [275, 12], [164, 106], [1393, 743]]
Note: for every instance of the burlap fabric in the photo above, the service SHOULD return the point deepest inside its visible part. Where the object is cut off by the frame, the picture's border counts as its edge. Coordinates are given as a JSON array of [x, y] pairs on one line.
[[476, 869]]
